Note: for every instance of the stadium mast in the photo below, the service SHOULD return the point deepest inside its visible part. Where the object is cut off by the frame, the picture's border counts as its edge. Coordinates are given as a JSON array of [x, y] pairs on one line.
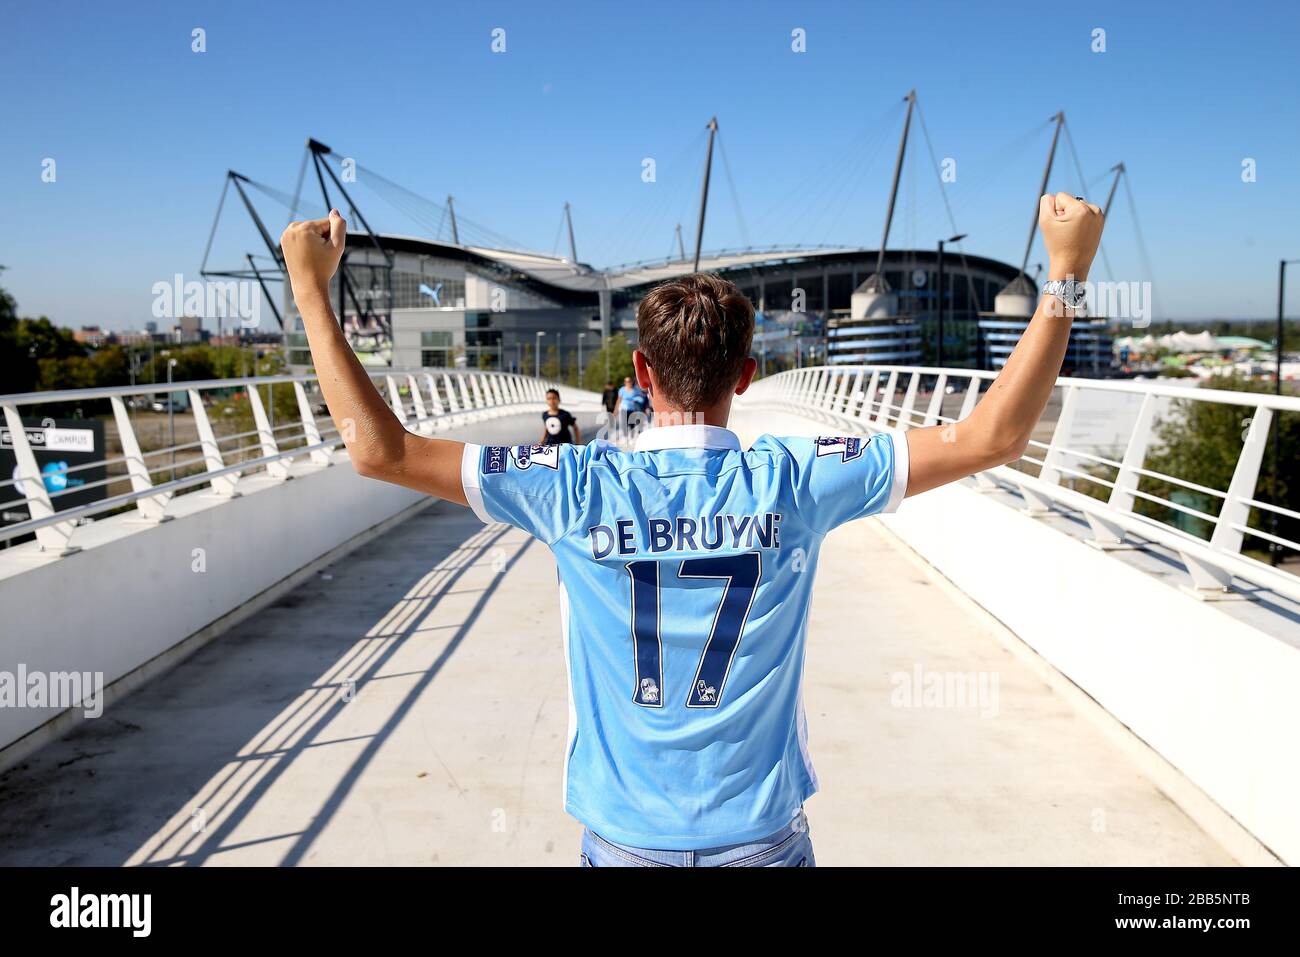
[[704, 196], [1118, 170], [573, 248], [1059, 118], [455, 233], [876, 283]]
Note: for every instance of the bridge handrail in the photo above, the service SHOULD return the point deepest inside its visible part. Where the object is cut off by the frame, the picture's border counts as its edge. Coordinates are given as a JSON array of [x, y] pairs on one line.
[[425, 400], [866, 397]]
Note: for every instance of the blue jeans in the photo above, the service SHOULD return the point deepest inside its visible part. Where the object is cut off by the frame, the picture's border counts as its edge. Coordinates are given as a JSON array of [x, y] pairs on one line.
[[789, 847]]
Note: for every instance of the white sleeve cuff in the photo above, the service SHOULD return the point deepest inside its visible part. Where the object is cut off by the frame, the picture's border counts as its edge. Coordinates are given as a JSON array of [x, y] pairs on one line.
[[469, 474], [898, 486]]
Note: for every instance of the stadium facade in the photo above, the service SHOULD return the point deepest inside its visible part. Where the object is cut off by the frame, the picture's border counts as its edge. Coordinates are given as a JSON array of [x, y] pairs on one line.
[[413, 302]]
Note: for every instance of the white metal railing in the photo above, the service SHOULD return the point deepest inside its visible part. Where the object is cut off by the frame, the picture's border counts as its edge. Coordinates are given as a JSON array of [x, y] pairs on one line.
[[424, 400], [897, 398]]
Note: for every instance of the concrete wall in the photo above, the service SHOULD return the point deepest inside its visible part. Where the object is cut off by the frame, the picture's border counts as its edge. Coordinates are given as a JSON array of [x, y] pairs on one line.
[[1212, 695], [135, 594]]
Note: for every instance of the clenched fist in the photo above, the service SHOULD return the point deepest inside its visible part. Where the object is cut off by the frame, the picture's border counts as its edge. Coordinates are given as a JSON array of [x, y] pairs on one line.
[[1071, 231], [312, 250]]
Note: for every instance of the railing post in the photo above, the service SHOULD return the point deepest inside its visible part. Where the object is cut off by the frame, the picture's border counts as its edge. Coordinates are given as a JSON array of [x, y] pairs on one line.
[[417, 400], [854, 392], [277, 468], [841, 386], [887, 400], [935, 408], [971, 398], [1052, 460], [982, 481], [310, 433], [820, 399], [395, 399], [831, 389], [909, 401], [1235, 511], [806, 386], [51, 538], [151, 509], [452, 402], [1111, 535], [223, 486], [466, 402], [869, 397], [435, 398], [477, 386]]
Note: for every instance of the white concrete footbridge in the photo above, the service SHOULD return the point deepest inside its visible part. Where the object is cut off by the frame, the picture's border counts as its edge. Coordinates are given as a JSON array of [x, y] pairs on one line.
[[1075, 659]]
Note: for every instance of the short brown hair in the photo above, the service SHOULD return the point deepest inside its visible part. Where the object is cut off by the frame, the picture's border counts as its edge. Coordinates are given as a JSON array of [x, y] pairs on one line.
[[695, 332]]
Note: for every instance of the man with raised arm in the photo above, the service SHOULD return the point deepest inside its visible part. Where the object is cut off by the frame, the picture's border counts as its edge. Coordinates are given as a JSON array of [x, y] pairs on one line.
[[687, 564]]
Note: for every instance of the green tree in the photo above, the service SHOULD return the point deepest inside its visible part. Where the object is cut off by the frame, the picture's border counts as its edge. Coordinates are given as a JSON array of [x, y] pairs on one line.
[[1201, 441], [617, 352], [26, 343], [551, 363]]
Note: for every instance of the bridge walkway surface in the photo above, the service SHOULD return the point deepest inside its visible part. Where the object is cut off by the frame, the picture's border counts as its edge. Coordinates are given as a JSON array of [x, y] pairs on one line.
[[407, 705]]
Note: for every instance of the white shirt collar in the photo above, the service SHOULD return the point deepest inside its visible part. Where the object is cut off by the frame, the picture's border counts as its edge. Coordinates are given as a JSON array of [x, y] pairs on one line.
[[687, 437]]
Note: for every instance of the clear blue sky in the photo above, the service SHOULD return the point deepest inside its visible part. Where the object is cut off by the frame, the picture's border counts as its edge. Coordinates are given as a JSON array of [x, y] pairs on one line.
[[143, 130]]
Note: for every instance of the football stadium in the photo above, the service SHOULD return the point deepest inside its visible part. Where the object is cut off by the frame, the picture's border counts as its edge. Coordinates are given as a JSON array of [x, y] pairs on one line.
[[468, 299]]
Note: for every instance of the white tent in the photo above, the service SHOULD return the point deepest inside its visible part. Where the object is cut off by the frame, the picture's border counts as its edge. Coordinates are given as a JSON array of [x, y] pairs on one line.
[[1182, 341]]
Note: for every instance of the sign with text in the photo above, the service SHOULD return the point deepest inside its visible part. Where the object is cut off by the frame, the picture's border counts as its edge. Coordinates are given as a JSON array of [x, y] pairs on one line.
[[61, 446]]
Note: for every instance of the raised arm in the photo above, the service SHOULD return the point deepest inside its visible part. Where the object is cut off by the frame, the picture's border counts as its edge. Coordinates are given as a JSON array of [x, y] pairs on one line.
[[379, 445], [998, 429]]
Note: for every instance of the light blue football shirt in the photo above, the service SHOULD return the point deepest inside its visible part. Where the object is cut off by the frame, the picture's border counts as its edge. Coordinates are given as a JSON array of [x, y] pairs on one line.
[[686, 571]]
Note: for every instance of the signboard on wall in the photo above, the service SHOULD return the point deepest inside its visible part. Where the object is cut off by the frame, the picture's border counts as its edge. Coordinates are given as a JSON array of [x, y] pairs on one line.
[[60, 446]]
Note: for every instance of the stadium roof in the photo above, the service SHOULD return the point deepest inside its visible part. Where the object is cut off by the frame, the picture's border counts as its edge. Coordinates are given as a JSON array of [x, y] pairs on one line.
[[578, 278]]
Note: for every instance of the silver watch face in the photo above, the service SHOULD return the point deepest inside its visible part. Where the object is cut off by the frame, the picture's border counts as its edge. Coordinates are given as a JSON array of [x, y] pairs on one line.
[[1069, 291]]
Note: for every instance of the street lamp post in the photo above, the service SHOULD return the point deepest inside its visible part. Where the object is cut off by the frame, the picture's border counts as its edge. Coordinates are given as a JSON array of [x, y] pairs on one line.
[[1275, 549], [537, 356], [581, 336], [171, 419], [952, 239]]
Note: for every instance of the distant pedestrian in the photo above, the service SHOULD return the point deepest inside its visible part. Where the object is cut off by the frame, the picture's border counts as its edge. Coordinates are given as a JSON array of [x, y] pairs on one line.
[[558, 426], [631, 405]]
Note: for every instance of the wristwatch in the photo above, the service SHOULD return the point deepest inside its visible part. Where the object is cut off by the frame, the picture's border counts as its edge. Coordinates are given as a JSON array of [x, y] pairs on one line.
[[1071, 292]]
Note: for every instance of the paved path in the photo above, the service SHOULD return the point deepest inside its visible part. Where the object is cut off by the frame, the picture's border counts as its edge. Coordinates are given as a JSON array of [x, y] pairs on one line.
[[447, 747]]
